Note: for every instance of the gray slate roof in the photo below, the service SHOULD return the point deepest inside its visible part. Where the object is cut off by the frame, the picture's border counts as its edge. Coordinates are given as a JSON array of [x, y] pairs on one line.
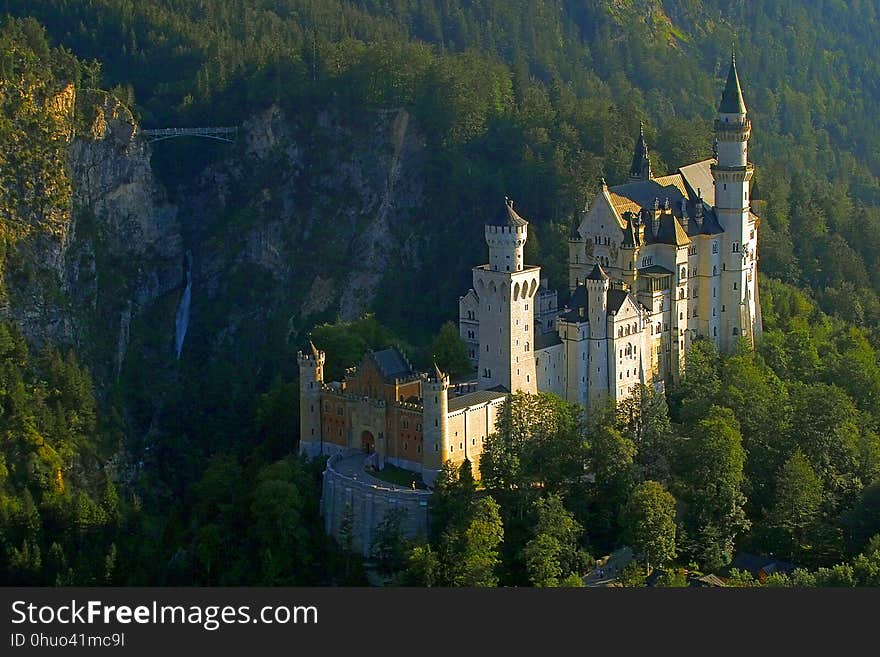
[[507, 217], [474, 399], [392, 364], [732, 97]]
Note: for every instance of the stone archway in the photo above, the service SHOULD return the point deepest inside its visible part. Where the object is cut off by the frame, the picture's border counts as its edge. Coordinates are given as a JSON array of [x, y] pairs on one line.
[[368, 442]]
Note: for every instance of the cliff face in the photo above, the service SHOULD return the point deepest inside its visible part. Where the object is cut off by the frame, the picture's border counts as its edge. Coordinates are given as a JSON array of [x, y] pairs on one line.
[[127, 249], [89, 236], [302, 221]]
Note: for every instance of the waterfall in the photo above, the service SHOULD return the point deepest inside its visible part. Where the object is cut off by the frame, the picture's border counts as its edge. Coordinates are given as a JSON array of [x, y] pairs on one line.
[[181, 323]]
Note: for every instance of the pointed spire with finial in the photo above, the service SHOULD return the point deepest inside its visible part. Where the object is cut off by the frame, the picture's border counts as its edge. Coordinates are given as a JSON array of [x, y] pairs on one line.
[[640, 169], [313, 348], [732, 99], [437, 372]]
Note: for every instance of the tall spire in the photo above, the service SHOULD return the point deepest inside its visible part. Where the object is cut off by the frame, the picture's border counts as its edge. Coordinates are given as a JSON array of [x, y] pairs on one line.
[[640, 169], [732, 97]]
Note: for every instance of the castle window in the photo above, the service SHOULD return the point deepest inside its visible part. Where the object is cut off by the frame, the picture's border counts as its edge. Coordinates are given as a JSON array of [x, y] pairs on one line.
[[681, 294], [312, 408], [680, 316], [418, 449], [713, 312], [473, 441], [436, 447], [313, 431], [735, 285], [713, 292], [723, 266], [461, 445], [436, 422], [714, 270], [311, 384], [735, 331], [714, 247], [527, 307], [735, 247], [723, 308], [715, 331], [405, 447], [527, 346]]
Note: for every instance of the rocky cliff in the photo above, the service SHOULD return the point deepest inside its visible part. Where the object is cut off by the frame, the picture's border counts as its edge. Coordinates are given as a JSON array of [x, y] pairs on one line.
[[301, 222], [88, 235]]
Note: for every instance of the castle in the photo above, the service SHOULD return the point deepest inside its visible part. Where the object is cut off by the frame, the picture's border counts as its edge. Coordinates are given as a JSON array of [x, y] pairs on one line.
[[654, 264]]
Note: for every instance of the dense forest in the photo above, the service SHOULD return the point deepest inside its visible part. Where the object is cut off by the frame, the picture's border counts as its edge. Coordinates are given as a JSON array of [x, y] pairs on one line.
[[776, 450]]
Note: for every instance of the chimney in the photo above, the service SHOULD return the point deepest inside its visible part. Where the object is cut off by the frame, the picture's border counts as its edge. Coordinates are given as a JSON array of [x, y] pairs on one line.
[[698, 209]]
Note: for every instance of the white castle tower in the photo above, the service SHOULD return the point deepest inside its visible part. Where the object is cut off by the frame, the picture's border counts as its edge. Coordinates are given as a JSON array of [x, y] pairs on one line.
[[506, 289], [732, 173], [311, 378], [435, 398]]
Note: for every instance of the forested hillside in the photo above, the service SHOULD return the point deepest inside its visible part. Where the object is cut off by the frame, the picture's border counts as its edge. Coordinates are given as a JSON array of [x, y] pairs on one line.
[[410, 121]]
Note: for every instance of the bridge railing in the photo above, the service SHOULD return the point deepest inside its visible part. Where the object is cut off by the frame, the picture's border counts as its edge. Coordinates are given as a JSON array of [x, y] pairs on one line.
[[220, 133]]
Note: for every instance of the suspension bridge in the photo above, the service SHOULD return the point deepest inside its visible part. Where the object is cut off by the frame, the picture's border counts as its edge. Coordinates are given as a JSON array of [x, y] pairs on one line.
[[218, 134]]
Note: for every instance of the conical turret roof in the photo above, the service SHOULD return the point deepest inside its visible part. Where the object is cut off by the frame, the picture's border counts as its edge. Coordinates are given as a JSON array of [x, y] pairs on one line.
[[507, 217], [641, 165], [598, 274], [732, 98]]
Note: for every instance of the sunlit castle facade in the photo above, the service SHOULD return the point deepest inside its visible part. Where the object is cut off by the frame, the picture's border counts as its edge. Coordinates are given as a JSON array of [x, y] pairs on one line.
[[654, 264]]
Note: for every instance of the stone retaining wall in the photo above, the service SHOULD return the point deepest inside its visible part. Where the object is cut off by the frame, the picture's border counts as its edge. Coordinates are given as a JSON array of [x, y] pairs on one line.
[[367, 503]]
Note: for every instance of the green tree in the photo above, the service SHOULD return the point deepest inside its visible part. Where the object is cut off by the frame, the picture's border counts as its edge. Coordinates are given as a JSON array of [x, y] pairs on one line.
[[612, 459], [449, 351], [554, 554], [389, 543], [710, 481], [795, 512], [469, 553], [648, 522], [644, 419]]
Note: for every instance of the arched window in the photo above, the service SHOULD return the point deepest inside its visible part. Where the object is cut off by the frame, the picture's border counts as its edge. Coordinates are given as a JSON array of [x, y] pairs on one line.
[[527, 346], [735, 331]]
